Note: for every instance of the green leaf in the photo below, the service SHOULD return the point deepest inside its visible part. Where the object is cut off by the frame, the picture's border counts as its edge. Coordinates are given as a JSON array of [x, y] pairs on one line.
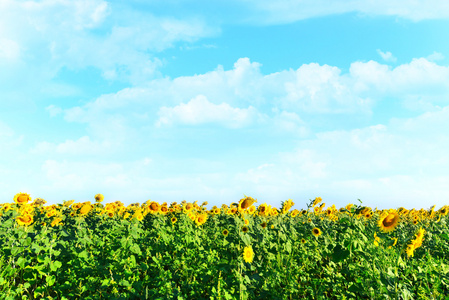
[[83, 254], [54, 265], [50, 280], [21, 262]]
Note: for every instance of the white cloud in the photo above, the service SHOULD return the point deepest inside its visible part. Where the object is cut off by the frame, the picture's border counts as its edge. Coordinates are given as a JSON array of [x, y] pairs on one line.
[[200, 111], [118, 40], [387, 56], [285, 11], [435, 56]]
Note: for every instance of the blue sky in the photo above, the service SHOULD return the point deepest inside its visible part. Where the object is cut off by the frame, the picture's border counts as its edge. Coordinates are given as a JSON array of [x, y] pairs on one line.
[[213, 100]]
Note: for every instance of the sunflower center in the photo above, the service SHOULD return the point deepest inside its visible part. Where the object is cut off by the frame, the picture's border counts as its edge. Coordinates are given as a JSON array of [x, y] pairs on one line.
[[246, 203], [22, 198]]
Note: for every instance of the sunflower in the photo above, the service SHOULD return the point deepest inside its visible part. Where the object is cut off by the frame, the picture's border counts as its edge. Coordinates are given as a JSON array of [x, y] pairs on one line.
[[6, 206], [444, 210], [164, 209], [138, 215], [55, 222], [246, 221], [410, 249], [174, 220], [225, 232], [201, 219], [303, 241], [68, 203], [24, 220], [388, 220], [245, 229], [99, 198], [22, 198], [262, 209], [248, 254], [154, 207], [39, 201], [316, 231], [252, 209], [246, 202], [294, 213], [85, 209], [264, 225], [188, 206], [316, 201]]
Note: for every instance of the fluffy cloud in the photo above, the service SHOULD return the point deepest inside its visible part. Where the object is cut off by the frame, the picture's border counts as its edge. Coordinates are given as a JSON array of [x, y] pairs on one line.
[[200, 111], [118, 40]]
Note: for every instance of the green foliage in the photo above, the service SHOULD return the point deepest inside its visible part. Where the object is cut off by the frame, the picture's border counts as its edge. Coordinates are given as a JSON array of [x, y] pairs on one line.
[[100, 257]]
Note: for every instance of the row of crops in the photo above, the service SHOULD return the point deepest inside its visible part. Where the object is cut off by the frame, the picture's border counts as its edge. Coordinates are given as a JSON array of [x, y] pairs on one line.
[[237, 251]]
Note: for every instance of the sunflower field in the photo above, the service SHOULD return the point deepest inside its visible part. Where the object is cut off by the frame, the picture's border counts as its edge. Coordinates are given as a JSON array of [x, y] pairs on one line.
[[236, 251]]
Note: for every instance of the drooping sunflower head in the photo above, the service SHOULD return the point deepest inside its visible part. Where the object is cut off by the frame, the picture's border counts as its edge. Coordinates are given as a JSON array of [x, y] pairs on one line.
[[22, 198], [246, 202], [388, 220], [316, 231], [39, 201], [248, 254], [316, 201]]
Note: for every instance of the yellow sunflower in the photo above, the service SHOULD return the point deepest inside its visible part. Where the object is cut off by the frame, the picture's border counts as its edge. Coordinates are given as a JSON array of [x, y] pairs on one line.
[[248, 254], [388, 220], [245, 229], [22, 198], [85, 209], [316, 231], [154, 207], [316, 201], [174, 220], [24, 220], [99, 198], [225, 232], [246, 202], [201, 219], [55, 222], [263, 209]]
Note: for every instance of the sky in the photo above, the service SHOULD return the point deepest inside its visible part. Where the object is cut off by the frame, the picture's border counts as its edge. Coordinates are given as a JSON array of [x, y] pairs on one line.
[[216, 100]]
